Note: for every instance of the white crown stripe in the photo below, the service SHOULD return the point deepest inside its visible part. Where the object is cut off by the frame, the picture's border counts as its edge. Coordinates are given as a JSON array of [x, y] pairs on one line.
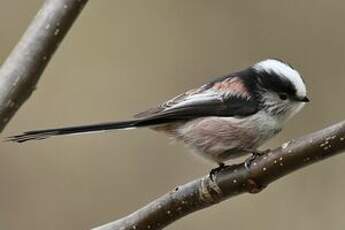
[[280, 68]]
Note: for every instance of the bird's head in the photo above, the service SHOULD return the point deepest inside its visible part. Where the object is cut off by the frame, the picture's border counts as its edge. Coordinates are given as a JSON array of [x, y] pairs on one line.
[[281, 90]]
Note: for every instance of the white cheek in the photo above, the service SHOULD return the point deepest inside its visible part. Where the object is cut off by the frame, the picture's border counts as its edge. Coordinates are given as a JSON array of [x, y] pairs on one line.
[[295, 109]]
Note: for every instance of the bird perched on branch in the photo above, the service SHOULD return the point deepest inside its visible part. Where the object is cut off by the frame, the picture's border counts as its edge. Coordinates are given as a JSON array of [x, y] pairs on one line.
[[221, 120]]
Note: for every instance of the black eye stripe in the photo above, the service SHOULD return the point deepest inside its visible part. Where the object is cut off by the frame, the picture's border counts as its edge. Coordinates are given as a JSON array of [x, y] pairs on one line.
[[276, 83]]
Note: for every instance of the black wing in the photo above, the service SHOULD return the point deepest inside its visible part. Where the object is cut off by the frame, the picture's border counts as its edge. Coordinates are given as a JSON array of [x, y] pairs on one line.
[[228, 107], [226, 96]]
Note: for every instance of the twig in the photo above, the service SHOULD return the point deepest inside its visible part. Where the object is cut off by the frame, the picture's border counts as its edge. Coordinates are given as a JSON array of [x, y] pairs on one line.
[[21, 71], [235, 180]]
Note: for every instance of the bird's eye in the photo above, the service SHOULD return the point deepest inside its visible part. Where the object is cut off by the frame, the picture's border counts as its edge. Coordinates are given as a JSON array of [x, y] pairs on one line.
[[283, 96]]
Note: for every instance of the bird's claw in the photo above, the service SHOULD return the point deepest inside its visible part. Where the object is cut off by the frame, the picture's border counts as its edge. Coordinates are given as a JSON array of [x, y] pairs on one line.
[[254, 156], [214, 171]]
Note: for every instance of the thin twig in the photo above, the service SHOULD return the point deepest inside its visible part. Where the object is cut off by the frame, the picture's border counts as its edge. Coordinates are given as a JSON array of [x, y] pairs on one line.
[[21, 71], [235, 180]]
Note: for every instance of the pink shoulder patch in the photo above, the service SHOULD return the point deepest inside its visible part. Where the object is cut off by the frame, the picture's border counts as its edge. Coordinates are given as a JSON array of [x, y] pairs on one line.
[[232, 86]]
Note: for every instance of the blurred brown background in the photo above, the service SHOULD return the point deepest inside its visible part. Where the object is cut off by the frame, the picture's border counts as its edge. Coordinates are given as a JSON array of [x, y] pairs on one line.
[[124, 56]]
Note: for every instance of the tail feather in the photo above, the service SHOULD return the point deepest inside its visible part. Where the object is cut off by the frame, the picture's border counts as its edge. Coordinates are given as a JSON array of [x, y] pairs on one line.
[[179, 114], [43, 134]]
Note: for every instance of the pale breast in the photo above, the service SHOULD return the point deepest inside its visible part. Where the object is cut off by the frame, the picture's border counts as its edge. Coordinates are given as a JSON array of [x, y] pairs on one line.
[[223, 138]]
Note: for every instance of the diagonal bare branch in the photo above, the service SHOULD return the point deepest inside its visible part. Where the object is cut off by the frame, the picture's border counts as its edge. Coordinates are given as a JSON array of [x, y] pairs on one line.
[[21, 71], [235, 180]]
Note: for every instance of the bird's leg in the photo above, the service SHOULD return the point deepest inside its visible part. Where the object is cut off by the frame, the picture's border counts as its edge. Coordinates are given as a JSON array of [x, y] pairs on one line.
[[214, 171], [254, 155]]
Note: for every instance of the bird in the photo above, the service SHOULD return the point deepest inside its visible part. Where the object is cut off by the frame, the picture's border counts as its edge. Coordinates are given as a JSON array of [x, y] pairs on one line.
[[221, 120]]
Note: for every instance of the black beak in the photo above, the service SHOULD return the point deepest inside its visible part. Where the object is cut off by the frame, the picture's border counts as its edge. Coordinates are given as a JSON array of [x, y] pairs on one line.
[[304, 99]]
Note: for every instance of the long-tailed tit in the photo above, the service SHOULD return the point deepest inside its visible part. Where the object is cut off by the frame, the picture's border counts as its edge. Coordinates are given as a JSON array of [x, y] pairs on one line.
[[223, 119]]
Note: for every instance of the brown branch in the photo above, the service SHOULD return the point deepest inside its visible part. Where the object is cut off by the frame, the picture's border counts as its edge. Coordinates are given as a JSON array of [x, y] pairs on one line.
[[21, 71], [235, 180]]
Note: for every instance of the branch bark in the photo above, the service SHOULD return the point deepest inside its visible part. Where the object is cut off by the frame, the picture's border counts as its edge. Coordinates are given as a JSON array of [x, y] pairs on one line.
[[235, 180], [21, 71]]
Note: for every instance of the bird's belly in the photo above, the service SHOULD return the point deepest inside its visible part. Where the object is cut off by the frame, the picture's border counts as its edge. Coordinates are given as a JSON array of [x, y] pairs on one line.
[[224, 138]]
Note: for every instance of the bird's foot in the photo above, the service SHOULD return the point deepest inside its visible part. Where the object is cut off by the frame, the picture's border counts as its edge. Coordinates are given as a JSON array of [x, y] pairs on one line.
[[254, 156], [214, 171]]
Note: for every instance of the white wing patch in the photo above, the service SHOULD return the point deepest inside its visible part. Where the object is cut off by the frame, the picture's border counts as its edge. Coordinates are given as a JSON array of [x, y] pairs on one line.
[[199, 97]]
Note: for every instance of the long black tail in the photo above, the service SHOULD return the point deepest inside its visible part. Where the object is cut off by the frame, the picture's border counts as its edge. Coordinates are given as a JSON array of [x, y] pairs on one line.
[[43, 134]]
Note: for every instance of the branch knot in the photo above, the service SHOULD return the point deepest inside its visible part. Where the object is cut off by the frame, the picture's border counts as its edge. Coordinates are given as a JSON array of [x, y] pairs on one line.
[[209, 191]]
